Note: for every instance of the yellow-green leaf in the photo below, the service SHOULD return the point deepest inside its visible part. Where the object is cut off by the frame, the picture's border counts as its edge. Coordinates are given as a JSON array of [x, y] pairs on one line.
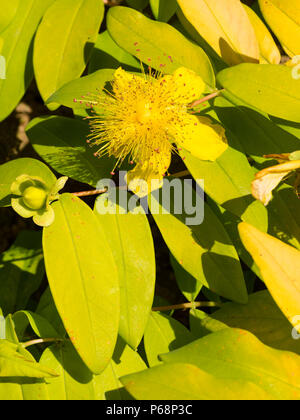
[[18, 38], [269, 52], [83, 280], [236, 355], [157, 44], [181, 381], [225, 26], [283, 16], [64, 42], [131, 241], [279, 264]]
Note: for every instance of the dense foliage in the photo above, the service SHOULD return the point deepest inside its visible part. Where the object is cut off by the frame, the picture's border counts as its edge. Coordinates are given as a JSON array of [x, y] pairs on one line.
[[151, 304]]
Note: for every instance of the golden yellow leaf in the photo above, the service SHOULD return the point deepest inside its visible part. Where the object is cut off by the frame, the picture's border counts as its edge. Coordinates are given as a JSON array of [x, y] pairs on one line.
[[279, 265], [269, 52], [225, 26], [269, 178], [283, 16]]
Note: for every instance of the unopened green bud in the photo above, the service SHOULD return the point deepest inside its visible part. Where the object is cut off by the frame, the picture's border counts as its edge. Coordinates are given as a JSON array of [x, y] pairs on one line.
[[34, 198]]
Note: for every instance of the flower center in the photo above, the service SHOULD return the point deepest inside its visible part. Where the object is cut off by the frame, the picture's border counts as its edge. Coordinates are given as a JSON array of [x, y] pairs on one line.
[[34, 198], [143, 112]]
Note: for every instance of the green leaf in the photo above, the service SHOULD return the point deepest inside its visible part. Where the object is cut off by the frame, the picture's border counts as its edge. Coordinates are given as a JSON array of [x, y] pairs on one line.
[[10, 171], [71, 94], [284, 215], [86, 290], [41, 326], [257, 134], [269, 52], [188, 285], [8, 12], [17, 50], [261, 316], [202, 324], [18, 362], [165, 47], [47, 309], [64, 42], [182, 381], [75, 381], [238, 355], [21, 271], [61, 142], [130, 239], [108, 55], [138, 4], [125, 361], [204, 249], [22, 389], [163, 10], [267, 87], [164, 334], [228, 182]]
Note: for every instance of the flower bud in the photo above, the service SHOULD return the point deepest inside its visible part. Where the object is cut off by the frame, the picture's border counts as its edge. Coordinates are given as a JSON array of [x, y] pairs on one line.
[[34, 198]]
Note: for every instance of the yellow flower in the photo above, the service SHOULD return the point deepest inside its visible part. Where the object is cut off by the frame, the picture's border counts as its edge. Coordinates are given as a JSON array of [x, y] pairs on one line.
[[147, 118]]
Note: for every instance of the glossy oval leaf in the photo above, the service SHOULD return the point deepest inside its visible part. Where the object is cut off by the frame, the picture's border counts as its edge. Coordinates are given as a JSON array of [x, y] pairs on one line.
[[228, 182], [189, 286], [279, 265], [21, 271], [233, 354], [284, 19], [61, 142], [64, 42], [108, 55], [157, 44], [269, 52], [225, 26], [260, 316], [267, 87], [163, 10], [15, 361], [8, 12], [258, 135], [76, 382], [125, 361], [164, 334], [182, 381], [86, 290], [17, 50], [131, 241], [72, 94], [203, 248]]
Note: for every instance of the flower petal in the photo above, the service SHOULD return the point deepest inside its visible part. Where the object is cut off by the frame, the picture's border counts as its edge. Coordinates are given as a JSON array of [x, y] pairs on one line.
[[44, 218], [202, 138], [19, 207], [125, 82], [268, 179], [148, 176], [21, 183], [184, 86]]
